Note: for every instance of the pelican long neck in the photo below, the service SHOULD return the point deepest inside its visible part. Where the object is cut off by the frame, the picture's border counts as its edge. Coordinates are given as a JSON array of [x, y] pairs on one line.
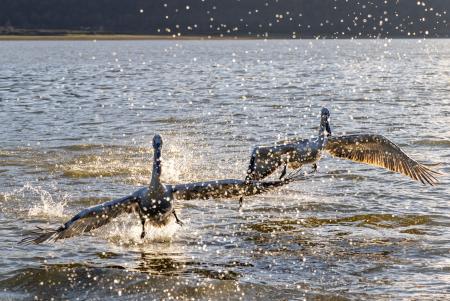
[[324, 131], [156, 173]]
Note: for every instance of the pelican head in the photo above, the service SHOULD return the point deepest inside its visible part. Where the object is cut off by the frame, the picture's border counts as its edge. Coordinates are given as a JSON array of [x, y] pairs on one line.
[[325, 122], [157, 142], [325, 113]]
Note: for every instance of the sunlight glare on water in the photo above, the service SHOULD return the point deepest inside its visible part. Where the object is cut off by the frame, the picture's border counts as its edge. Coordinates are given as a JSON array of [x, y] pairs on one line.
[[79, 133]]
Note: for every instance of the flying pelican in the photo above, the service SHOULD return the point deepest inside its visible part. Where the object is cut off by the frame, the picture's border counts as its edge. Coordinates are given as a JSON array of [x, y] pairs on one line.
[[371, 149], [153, 203]]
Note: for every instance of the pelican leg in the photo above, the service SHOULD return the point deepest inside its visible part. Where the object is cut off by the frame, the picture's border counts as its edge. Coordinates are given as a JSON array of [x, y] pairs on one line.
[[247, 180], [314, 167], [283, 173], [178, 221], [241, 199], [141, 216]]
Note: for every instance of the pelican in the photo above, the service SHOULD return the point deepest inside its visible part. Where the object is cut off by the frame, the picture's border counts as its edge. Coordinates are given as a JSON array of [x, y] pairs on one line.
[[153, 203], [370, 149]]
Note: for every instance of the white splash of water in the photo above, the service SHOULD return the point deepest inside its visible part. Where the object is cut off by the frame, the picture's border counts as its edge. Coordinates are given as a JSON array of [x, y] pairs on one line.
[[178, 160], [126, 230], [41, 200]]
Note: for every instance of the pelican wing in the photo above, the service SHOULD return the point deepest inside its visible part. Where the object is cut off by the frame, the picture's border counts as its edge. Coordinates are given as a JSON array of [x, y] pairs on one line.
[[227, 188], [85, 221], [379, 151]]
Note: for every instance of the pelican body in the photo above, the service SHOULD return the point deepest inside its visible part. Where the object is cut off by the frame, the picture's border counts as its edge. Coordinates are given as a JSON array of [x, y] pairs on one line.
[[153, 204], [371, 149], [294, 154]]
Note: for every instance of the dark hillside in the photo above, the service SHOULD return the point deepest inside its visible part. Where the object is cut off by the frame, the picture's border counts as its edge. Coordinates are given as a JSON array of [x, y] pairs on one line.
[[290, 18]]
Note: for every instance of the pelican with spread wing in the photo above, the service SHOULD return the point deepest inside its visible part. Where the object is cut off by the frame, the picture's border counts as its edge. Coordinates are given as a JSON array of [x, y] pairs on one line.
[[153, 204], [371, 149]]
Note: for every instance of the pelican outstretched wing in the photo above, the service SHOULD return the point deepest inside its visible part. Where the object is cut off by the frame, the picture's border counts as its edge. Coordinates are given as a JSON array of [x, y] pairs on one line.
[[85, 221], [227, 188], [379, 151]]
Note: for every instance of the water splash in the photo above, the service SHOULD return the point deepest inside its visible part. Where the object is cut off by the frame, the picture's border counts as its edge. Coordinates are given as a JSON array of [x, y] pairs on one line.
[[177, 160], [126, 230], [43, 203]]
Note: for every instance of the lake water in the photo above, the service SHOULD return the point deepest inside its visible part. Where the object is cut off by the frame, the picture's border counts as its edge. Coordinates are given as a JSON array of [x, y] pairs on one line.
[[76, 123]]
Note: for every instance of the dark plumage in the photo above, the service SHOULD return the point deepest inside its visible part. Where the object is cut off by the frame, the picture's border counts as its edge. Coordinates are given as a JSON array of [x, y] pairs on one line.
[[153, 203], [371, 149]]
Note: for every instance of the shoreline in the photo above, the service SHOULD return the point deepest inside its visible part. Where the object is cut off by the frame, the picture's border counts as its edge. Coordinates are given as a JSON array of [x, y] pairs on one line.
[[130, 37], [116, 37]]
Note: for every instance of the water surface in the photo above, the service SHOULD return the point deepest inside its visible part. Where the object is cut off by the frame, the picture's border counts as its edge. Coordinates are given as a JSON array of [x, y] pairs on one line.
[[76, 123]]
